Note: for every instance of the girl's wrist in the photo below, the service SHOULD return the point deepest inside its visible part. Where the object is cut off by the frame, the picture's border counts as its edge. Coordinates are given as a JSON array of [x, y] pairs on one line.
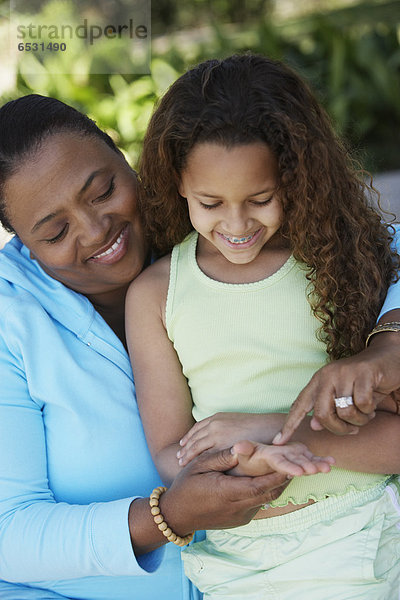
[[270, 425]]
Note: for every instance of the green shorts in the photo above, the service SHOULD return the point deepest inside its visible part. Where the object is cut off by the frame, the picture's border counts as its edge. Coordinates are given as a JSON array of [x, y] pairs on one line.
[[340, 548]]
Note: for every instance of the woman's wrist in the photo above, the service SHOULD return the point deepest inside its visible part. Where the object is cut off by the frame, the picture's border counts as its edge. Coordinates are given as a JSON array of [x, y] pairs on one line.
[[144, 532], [384, 351], [145, 536], [176, 513], [172, 520]]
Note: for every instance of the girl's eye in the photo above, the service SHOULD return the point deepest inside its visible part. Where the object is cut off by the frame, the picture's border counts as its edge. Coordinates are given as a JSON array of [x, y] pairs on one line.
[[108, 192], [264, 202], [59, 236], [209, 206]]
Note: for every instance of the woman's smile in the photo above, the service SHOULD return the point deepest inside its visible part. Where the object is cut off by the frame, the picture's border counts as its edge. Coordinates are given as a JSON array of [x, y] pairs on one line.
[[115, 250]]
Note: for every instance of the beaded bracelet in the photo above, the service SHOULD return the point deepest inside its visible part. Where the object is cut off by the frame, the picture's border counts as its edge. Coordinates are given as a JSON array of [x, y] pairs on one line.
[[392, 326], [161, 523]]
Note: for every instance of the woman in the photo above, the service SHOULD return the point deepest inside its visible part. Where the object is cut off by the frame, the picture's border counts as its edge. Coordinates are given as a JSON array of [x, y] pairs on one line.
[[75, 472], [74, 454]]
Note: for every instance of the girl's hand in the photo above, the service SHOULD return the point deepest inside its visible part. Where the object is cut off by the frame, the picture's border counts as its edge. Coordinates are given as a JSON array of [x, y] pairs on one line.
[[223, 429], [369, 377], [203, 496], [293, 459]]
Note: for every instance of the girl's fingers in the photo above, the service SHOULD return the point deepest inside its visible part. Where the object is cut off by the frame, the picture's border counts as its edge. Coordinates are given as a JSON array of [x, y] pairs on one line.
[[282, 464], [194, 449], [193, 431], [244, 447], [312, 464]]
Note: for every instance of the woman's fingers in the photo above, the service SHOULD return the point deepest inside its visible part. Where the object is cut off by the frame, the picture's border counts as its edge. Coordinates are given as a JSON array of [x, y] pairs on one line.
[[363, 396], [340, 421], [303, 404]]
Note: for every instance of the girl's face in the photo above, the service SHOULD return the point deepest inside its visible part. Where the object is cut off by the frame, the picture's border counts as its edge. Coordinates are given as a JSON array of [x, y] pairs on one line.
[[231, 195], [73, 203]]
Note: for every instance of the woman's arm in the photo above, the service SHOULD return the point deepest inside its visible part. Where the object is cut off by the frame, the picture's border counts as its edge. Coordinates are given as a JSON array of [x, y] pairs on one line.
[[202, 496], [368, 377], [163, 394], [42, 538]]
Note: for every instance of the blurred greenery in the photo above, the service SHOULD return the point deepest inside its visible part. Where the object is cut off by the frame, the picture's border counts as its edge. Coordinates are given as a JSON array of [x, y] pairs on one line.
[[349, 54]]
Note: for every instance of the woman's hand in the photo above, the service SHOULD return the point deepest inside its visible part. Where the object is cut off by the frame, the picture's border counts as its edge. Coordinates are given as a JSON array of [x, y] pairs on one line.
[[203, 496], [223, 429], [369, 377]]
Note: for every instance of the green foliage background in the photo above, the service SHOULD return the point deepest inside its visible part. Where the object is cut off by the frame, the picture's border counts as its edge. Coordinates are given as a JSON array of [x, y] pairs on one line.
[[350, 55]]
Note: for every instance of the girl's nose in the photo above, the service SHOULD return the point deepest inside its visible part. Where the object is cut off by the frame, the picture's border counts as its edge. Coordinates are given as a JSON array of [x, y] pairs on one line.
[[237, 222]]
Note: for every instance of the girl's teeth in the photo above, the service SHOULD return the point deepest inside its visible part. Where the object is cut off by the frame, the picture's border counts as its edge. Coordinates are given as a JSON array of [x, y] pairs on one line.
[[111, 249], [242, 240]]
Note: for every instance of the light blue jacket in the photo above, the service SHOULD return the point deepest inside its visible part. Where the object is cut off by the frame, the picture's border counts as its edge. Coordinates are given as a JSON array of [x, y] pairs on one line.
[[393, 296], [72, 450]]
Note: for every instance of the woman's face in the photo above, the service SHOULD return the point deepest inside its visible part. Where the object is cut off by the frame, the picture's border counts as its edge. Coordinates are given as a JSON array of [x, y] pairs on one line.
[[73, 204]]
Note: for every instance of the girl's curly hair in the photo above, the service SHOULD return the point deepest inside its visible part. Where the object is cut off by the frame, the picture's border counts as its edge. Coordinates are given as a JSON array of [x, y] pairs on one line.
[[326, 214]]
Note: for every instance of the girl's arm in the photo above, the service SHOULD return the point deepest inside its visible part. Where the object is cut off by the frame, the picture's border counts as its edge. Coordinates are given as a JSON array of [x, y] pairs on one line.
[[375, 449], [163, 394]]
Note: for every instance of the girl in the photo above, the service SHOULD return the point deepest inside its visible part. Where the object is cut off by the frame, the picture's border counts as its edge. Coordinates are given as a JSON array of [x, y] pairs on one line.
[[278, 264]]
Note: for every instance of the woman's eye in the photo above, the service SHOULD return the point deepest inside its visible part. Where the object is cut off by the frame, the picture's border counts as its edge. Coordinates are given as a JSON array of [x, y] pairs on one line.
[[59, 236], [108, 192]]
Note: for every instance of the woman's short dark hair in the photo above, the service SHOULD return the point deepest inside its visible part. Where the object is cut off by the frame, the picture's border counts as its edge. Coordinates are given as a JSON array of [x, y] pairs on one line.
[[24, 125]]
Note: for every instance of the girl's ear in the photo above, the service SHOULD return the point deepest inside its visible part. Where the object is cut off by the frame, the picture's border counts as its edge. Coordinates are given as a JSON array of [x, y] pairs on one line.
[[181, 189]]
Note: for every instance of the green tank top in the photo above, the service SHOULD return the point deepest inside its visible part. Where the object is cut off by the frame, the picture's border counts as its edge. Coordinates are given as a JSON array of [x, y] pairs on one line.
[[250, 347]]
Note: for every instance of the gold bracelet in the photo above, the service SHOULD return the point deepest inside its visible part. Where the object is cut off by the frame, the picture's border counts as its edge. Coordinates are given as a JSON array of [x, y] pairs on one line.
[[392, 326], [161, 523]]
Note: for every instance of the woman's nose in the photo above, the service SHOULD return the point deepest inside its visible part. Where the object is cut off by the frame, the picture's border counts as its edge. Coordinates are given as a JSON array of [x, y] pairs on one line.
[[93, 228]]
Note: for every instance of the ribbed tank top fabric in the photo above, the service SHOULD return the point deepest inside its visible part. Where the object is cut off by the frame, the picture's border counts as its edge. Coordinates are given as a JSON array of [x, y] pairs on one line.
[[250, 347]]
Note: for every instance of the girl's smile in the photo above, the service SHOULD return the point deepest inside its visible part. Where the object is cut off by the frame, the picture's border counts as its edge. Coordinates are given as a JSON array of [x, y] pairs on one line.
[[243, 242], [231, 196]]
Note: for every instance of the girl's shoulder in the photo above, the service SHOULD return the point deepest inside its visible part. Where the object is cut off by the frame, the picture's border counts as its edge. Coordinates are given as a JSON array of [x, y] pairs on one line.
[[156, 272], [150, 288]]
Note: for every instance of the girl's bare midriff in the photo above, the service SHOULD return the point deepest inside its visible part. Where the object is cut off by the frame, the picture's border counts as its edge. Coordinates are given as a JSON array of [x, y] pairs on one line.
[[280, 510]]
